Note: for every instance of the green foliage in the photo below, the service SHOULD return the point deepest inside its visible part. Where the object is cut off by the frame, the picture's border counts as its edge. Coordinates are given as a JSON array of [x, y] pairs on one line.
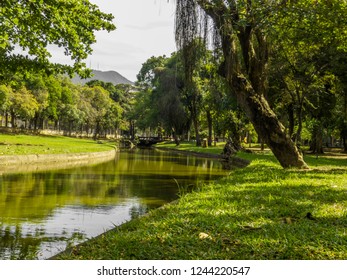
[[33, 25], [40, 100], [159, 104], [308, 49], [5, 93], [23, 104], [147, 75]]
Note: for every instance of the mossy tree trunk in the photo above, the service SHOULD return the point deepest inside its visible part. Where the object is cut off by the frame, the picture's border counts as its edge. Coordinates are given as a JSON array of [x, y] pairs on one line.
[[246, 53], [209, 124], [316, 145]]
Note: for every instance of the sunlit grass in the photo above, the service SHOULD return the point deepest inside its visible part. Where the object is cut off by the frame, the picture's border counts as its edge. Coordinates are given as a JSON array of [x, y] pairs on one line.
[[190, 147], [25, 145], [258, 212]]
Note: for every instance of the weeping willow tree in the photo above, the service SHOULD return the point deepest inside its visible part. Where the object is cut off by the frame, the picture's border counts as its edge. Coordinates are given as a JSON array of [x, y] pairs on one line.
[[239, 29]]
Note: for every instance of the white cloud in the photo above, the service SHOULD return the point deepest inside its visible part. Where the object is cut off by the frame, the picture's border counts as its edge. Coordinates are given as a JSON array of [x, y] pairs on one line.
[[145, 28]]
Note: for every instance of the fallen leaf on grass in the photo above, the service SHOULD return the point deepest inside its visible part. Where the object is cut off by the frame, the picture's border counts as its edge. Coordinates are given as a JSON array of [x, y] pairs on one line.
[[227, 241], [203, 235]]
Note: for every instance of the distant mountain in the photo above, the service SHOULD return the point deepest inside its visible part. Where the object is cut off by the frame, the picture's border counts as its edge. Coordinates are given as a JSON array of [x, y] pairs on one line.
[[107, 76]]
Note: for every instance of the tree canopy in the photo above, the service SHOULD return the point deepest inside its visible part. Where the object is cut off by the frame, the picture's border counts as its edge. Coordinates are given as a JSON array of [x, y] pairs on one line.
[[29, 27], [246, 33]]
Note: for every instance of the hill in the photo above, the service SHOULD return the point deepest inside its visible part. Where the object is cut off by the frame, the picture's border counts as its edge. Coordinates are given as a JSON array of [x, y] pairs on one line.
[[107, 76]]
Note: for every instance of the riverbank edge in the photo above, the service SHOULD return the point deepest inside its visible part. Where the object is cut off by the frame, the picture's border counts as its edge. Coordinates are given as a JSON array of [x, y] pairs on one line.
[[40, 162], [234, 160], [68, 251], [241, 163]]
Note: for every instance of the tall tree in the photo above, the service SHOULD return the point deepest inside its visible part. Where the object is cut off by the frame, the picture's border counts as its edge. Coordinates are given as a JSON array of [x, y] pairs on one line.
[[32, 25], [161, 104], [5, 94], [171, 108], [23, 105], [244, 39]]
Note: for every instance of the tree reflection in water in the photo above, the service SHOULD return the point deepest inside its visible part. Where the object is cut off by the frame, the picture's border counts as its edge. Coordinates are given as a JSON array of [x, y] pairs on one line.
[[43, 212]]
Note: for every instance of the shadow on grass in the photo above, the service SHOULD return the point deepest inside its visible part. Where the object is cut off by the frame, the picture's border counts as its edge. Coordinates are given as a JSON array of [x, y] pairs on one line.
[[267, 219]]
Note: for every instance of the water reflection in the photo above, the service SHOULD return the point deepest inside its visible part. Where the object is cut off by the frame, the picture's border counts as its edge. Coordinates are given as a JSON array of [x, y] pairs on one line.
[[43, 212]]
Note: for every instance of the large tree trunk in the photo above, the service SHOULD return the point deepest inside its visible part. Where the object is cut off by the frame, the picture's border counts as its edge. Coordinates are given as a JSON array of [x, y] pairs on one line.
[[209, 124], [316, 145], [291, 120], [267, 125], [299, 130], [245, 50], [197, 133]]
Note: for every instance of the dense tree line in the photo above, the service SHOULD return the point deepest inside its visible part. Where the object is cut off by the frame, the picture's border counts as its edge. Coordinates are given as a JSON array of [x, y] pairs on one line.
[[277, 68], [28, 27], [302, 37], [272, 69], [166, 106]]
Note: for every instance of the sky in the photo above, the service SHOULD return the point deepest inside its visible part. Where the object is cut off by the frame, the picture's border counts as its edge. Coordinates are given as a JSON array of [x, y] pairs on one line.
[[144, 28]]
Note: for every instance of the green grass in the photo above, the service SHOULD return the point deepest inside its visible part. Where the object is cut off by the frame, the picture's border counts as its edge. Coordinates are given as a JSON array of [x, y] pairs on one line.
[[26, 145], [258, 212], [189, 147]]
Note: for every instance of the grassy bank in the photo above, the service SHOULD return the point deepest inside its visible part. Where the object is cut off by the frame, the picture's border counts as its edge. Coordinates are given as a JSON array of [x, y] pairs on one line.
[[28, 145], [258, 212], [189, 147]]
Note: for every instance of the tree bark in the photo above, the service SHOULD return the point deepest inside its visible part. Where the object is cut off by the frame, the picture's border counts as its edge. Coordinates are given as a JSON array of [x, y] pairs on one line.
[[299, 130], [209, 123], [344, 140], [291, 120], [316, 146], [267, 124], [197, 133]]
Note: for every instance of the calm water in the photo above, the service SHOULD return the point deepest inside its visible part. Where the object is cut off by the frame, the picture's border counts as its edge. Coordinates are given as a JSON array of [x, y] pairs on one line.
[[42, 213]]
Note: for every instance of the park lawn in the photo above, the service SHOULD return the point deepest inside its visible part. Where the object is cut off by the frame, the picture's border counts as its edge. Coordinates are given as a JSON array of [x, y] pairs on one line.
[[28, 145], [190, 147], [258, 212]]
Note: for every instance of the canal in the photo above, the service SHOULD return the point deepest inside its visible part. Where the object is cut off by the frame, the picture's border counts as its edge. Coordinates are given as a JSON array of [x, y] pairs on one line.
[[42, 213]]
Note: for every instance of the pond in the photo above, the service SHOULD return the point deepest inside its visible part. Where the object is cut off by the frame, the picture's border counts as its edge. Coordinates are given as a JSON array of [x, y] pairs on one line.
[[41, 213]]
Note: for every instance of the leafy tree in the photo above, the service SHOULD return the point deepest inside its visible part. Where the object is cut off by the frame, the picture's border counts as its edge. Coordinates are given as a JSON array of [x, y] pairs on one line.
[[146, 77], [170, 105], [322, 104], [23, 105], [69, 113], [5, 94], [54, 86], [100, 102], [36, 84], [113, 118], [309, 47], [161, 104], [32, 25], [144, 111], [246, 32], [122, 95], [243, 38]]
